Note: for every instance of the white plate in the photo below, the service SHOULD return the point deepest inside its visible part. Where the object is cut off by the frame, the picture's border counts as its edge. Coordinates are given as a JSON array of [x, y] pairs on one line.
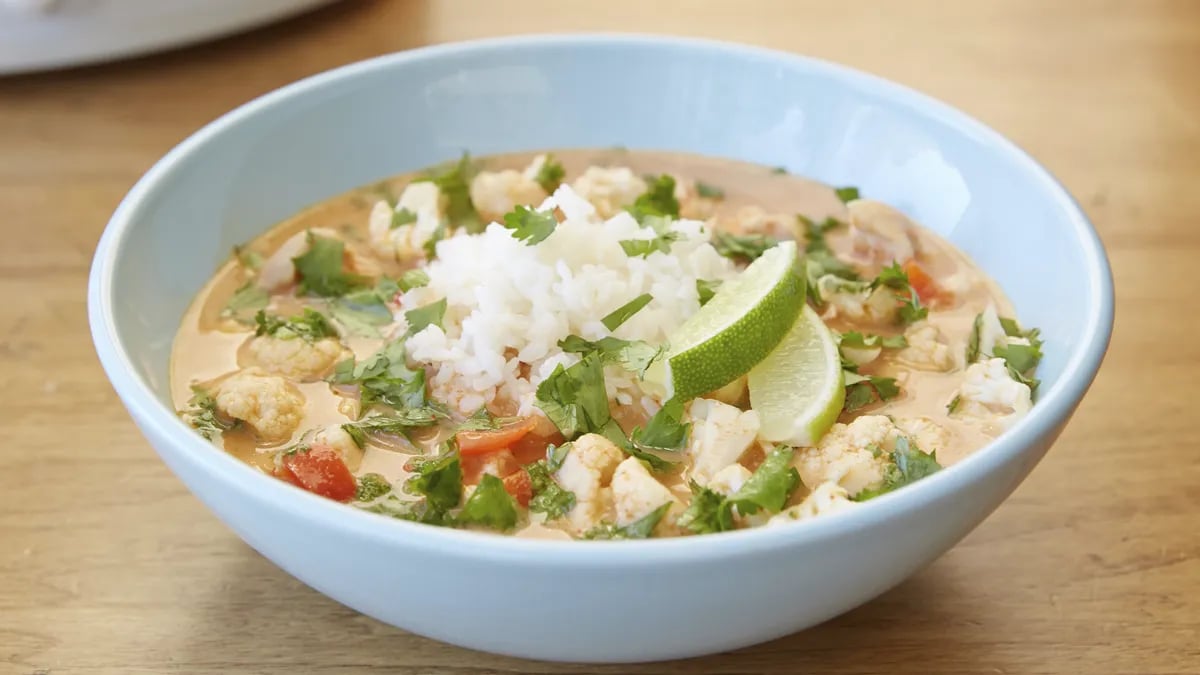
[[44, 34]]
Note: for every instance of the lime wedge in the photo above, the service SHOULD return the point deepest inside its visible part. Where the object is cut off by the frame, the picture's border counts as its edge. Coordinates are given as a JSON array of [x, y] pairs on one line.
[[797, 390], [736, 329]]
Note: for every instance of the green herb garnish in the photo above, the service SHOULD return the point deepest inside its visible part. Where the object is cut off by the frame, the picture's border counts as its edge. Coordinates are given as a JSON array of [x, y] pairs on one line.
[[622, 314], [744, 247], [657, 200], [641, 528], [551, 174], [371, 486], [862, 391], [385, 378], [632, 355], [846, 194], [706, 289], [202, 409], [454, 182], [769, 488], [665, 431], [322, 269], [709, 191], [245, 302], [530, 225], [309, 326], [909, 465], [422, 317], [490, 506], [402, 217]]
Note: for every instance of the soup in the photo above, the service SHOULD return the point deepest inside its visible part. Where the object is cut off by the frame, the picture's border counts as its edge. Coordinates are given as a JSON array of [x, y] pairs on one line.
[[601, 344]]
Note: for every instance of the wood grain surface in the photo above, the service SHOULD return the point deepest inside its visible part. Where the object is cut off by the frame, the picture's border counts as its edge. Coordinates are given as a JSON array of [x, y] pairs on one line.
[[107, 565]]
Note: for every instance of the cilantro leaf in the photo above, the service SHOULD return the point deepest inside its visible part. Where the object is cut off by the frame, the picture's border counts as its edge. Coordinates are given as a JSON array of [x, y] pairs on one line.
[[248, 259], [430, 245], [952, 406], [363, 312], [862, 391], [974, 338], [322, 269], [371, 486], [895, 278], [846, 194], [1011, 327], [401, 217], [422, 317], [384, 377], [657, 200], [909, 465], [779, 170], [819, 260], [632, 355], [707, 513], [769, 488], [454, 182], [309, 326], [202, 409], [575, 398], [744, 247], [398, 423], [245, 302], [480, 420], [665, 431], [550, 175], [529, 225], [709, 191], [490, 505], [638, 529], [705, 290], [622, 314], [635, 248], [548, 496], [859, 340], [439, 481], [414, 278]]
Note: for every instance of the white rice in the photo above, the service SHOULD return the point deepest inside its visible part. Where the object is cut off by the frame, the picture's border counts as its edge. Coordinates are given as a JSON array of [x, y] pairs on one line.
[[504, 297]]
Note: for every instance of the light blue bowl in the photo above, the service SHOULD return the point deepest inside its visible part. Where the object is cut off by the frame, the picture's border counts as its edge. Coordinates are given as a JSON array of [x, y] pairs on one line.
[[566, 600]]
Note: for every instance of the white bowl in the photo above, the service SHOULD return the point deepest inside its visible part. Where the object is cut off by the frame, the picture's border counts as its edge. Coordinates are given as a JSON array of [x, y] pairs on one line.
[[628, 601]]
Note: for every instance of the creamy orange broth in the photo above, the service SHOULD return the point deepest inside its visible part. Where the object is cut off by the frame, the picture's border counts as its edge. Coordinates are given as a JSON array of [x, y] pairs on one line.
[[207, 347]]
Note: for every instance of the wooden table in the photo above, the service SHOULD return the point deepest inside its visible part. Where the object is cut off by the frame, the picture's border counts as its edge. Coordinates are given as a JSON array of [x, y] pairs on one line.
[[1093, 566]]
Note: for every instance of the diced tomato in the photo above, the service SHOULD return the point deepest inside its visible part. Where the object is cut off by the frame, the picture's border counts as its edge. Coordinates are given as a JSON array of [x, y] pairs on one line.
[[926, 288], [322, 472], [532, 447], [500, 464], [482, 442], [519, 486]]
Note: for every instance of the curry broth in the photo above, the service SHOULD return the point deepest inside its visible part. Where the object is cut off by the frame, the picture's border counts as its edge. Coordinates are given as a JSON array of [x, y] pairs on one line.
[[207, 346]]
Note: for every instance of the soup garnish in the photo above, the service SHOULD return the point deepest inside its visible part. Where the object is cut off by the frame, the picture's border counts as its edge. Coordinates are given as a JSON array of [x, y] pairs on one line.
[[601, 345]]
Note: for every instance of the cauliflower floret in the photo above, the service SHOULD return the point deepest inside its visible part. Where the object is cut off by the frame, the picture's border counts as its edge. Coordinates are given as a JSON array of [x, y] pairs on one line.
[[337, 438], [636, 493], [404, 237], [856, 455], [752, 220], [693, 205], [826, 498], [495, 193], [880, 234], [729, 480], [720, 435], [268, 403], [610, 190], [928, 349], [294, 358], [587, 471], [857, 301], [989, 394]]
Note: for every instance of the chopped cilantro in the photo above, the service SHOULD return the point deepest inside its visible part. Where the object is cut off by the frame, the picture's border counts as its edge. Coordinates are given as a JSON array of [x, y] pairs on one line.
[[862, 390], [638, 529], [622, 314], [556, 455], [322, 269], [745, 247], [363, 312], [657, 200], [309, 326], [454, 182], [422, 317], [664, 431], [251, 260], [490, 505], [245, 302], [529, 225], [709, 191], [909, 465], [398, 423], [632, 355], [575, 399], [819, 260], [371, 486], [551, 174], [480, 420], [1011, 327], [635, 248], [401, 217], [846, 194], [430, 245], [384, 377], [439, 481], [767, 489], [202, 409], [706, 289], [895, 278], [708, 512], [973, 339], [952, 406], [779, 170], [859, 340], [414, 278], [548, 496], [356, 434]]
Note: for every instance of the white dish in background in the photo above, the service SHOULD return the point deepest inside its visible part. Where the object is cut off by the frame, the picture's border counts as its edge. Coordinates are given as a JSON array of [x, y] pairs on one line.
[[45, 34], [599, 601]]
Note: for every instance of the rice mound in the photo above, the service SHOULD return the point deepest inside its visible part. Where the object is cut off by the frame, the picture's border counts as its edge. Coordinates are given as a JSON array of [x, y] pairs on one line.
[[508, 304]]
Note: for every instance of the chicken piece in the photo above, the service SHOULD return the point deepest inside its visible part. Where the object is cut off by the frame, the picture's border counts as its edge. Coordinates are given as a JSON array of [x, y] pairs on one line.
[[928, 349], [609, 189], [754, 220], [587, 471], [720, 436], [879, 233], [267, 403], [495, 193], [990, 395], [636, 493], [856, 455], [294, 358]]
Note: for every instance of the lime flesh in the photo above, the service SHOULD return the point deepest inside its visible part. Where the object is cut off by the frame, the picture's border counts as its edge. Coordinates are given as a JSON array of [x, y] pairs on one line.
[[797, 390]]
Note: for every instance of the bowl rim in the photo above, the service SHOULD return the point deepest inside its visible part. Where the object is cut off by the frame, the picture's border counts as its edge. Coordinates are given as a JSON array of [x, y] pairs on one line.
[[1053, 408]]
